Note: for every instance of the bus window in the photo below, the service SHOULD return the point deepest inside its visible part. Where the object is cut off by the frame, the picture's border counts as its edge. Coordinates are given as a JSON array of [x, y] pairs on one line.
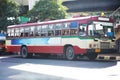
[[44, 30], [82, 29], [17, 32], [51, 30], [66, 30], [100, 29], [12, 32], [73, 31], [32, 31], [21, 32], [8, 32], [90, 30], [38, 31], [26, 31], [73, 28], [110, 32], [58, 28]]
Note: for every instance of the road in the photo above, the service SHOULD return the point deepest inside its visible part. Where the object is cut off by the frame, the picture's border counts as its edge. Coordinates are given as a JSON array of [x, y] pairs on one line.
[[16, 68]]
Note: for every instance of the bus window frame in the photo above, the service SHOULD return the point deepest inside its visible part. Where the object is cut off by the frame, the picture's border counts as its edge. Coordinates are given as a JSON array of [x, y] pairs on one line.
[[32, 32], [38, 31], [26, 32], [21, 31], [45, 32], [17, 34], [58, 29], [85, 28], [51, 31], [73, 30], [66, 31]]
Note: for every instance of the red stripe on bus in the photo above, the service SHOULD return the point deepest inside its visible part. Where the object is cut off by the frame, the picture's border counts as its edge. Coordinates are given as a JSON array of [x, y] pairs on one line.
[[45, 49]]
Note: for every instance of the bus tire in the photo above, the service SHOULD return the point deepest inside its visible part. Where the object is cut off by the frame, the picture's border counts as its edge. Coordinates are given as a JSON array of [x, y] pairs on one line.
[[69, 53], [24, 52], [92, 56]]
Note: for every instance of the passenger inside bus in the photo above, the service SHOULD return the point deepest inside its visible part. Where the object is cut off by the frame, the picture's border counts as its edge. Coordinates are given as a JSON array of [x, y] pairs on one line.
[[65, 32], [51, 33], [82, 32], [109, 33], [57, 32], [73, 32]]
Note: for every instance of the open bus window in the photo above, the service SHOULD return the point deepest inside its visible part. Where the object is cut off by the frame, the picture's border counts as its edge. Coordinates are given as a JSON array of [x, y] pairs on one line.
[[73, 31], [38, 31], [26, 31], [21, 32], [12, 33], [44, 30], [32, 31], [58, 29], [73, 28], [57, 32], [66, 29], [8, 32], [90, 30], [17, 32], [65, 32], [51, 30], [82, 29]]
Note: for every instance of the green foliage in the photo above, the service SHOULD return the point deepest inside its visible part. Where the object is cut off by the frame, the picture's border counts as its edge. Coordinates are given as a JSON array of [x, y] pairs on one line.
[[8, 9], [47, 9]]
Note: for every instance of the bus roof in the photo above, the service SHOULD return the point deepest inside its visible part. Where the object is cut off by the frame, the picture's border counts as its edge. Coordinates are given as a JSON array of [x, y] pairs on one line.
[[52, 21]]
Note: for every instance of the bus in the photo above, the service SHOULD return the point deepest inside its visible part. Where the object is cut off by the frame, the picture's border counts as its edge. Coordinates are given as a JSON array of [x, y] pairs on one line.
[[82, 36], [2, 43]]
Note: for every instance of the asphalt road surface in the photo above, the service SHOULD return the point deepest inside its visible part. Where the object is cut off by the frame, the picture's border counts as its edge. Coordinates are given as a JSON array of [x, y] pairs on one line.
[[16, 68]]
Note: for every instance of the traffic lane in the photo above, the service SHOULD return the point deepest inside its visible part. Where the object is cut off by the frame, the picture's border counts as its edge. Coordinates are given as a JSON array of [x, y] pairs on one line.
[[82, 62], [9, 73], [39, 69]]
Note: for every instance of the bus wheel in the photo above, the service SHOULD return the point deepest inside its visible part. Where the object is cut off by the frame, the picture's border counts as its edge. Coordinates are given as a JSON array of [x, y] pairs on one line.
[[24, 52], [69, 53], [92, 56]]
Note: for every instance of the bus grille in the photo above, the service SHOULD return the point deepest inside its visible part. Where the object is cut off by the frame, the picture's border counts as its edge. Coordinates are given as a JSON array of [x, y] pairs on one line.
[[104, 45]]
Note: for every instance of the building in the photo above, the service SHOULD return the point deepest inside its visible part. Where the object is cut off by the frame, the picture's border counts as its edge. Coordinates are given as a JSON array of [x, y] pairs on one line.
[[27, 3]]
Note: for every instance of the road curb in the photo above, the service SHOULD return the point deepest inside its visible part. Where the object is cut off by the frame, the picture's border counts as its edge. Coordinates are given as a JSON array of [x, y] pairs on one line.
[[109, 58]]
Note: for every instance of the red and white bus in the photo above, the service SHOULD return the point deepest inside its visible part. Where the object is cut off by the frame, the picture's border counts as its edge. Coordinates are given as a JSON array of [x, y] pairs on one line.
[[87, 36]]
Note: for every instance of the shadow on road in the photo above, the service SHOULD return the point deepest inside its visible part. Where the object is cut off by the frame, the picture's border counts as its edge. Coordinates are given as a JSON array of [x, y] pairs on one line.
[[38, 68], [80, 63]]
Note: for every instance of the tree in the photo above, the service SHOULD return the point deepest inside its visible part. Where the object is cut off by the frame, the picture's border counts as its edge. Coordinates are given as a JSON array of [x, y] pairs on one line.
[[47, 9], [9, 11]]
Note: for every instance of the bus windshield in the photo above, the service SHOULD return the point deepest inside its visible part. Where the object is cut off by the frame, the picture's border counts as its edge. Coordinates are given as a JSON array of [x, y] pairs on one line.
[[101, 29]]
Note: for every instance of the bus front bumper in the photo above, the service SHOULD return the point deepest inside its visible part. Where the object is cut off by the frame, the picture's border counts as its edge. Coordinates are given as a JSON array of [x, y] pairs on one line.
[[101, 51]]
